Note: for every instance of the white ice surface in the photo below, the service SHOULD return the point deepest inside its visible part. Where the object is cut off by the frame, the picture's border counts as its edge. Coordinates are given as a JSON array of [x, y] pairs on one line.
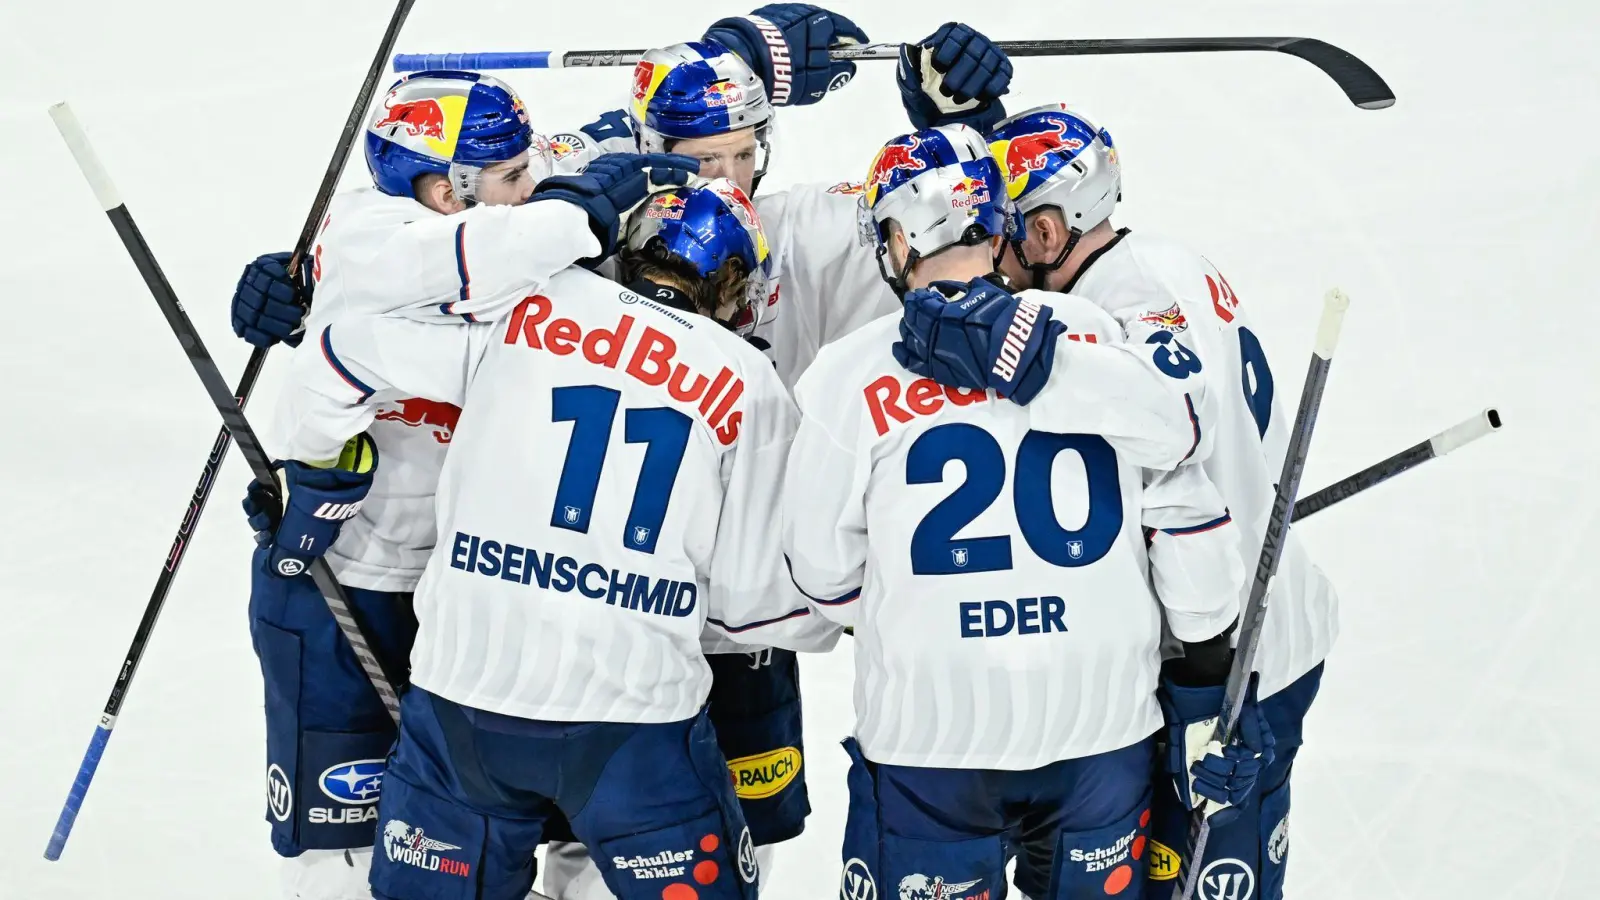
[[1450, 753]]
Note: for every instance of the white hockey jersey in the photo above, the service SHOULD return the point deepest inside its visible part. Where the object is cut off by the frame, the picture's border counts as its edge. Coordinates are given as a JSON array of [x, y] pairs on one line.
[[1003, 607], [611, 489], [378, 253], [1154, 287]]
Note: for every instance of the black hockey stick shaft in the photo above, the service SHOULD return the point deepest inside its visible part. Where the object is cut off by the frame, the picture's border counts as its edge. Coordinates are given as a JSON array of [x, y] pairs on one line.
[[1486, 422], [1294, 461], [219, 450], [1359, 82]]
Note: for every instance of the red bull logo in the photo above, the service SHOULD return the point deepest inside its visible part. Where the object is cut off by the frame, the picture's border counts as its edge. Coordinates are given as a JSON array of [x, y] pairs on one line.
[[420, 118], [419, 413], [968, 192], [643, 81], [669, 206], [1025, 154], [1169, 320], [896, 156], [723, 93], [736, 200]]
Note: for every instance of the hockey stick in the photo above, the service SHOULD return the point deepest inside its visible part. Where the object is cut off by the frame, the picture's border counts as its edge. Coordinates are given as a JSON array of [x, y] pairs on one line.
[[1486, 422], [1360, 83], [231, 405], [1294, 461]]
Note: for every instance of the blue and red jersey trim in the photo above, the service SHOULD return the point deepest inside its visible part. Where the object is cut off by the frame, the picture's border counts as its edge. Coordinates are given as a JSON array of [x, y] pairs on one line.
[[840, 600], [1212, 525], [1194, 420], [333, 360], [465, 293], [736, 629]]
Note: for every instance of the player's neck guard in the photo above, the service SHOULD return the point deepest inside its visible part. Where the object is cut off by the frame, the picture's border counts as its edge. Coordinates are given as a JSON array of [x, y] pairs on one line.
[[664, 294]]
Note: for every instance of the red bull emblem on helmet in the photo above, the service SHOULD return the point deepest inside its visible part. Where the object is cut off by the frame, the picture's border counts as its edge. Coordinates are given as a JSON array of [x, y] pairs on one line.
[[419, 413], [668, 206], [420, 118], [723, 93], [1028, 153], [968, 192], [894, 157]]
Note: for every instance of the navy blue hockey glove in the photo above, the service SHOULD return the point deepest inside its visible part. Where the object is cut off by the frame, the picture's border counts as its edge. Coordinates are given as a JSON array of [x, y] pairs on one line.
[[612, 185], [316, 503], [799, 35], [1204, 771], [269, 305], [955, 76], [976, 336]]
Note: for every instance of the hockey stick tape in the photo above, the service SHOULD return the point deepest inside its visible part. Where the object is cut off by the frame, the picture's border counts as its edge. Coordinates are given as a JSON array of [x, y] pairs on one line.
[[78, 142], [1486, 422], [1333, 310]]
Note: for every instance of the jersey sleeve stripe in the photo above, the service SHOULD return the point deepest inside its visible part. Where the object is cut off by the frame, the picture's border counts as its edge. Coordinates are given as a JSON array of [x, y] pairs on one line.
[[466, 277], [1216, 523], [333, 361], [736, 629], [840, 600], [1194, 420]]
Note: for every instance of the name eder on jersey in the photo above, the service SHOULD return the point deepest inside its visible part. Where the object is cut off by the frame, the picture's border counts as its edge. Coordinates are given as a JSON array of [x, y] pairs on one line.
[[525, 565]]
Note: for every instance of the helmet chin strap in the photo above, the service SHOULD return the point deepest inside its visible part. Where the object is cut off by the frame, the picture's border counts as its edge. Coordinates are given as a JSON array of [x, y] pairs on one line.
[[1040, 271]]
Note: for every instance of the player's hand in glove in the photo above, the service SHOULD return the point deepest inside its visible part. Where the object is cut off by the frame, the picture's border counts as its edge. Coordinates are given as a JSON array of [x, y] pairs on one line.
[[268, 304], [299, 518], [805, 32], [1204, 771], [612, 185], [954, 76], [957, 334]]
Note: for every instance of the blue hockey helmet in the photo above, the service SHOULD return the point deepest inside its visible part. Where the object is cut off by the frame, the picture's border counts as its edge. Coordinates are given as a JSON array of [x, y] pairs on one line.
[[694, 90], [452, 124], [1053, 158], [942, 188], [702, 228]]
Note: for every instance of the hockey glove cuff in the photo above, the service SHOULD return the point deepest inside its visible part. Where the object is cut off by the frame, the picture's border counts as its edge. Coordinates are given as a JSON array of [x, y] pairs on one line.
[[316, 502], [787, 46]]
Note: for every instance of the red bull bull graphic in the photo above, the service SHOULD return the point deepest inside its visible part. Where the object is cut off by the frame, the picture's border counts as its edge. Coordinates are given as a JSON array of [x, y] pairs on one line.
[[896, 156], [419, 118], [1020, 156], [1170, 320], [419, 413], [723, 93], [564, 144], [968, 192], [669, 206], [746, 212], [647, 78]]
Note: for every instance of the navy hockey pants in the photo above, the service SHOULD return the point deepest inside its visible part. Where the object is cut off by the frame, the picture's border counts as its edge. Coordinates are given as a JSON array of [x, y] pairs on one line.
[[755, 709], [327, 731], [1246, 857], [1076, 827], [468, 792]]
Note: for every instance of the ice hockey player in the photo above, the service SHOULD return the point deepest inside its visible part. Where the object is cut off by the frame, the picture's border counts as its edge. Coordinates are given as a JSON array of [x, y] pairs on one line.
[[439, 143], [1006, 660], [1064, 173], [557, 664]]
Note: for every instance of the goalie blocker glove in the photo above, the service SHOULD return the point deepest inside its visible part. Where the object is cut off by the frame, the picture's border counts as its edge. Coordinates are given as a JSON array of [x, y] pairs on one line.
[[1204, 771], [955, 76], [269, 305], [977, 336], [316, 502], [787, 44]]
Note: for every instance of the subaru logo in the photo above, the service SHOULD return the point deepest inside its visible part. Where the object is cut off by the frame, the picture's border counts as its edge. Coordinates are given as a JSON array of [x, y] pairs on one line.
[[356, 782]]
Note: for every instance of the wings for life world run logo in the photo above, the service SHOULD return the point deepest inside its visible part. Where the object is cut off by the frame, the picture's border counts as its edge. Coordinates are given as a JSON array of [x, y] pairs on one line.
[[405, 844], [921, 887]]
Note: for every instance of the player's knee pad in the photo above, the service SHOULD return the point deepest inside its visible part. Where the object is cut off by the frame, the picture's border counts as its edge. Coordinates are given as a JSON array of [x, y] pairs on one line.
[[1103, 862], [755, 707], [327, 875], [433, 848], [876, 860]]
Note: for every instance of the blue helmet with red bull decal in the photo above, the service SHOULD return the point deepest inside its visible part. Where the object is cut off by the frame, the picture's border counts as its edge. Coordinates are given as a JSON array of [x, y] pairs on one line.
[[694, 90], [451, 124], [1053, 158], [942, 188], [702, 228]]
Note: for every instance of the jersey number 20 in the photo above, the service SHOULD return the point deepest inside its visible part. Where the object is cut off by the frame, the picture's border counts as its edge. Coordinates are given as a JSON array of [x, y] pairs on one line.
[[935, 550]]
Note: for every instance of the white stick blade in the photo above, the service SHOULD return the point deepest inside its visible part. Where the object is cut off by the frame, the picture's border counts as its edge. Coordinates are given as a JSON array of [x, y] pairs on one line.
[[1486, 422], [78, 142], [1334, 305]]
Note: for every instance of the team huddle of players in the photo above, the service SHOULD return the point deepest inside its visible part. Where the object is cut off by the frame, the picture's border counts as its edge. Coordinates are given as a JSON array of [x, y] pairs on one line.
[[597, 436]]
